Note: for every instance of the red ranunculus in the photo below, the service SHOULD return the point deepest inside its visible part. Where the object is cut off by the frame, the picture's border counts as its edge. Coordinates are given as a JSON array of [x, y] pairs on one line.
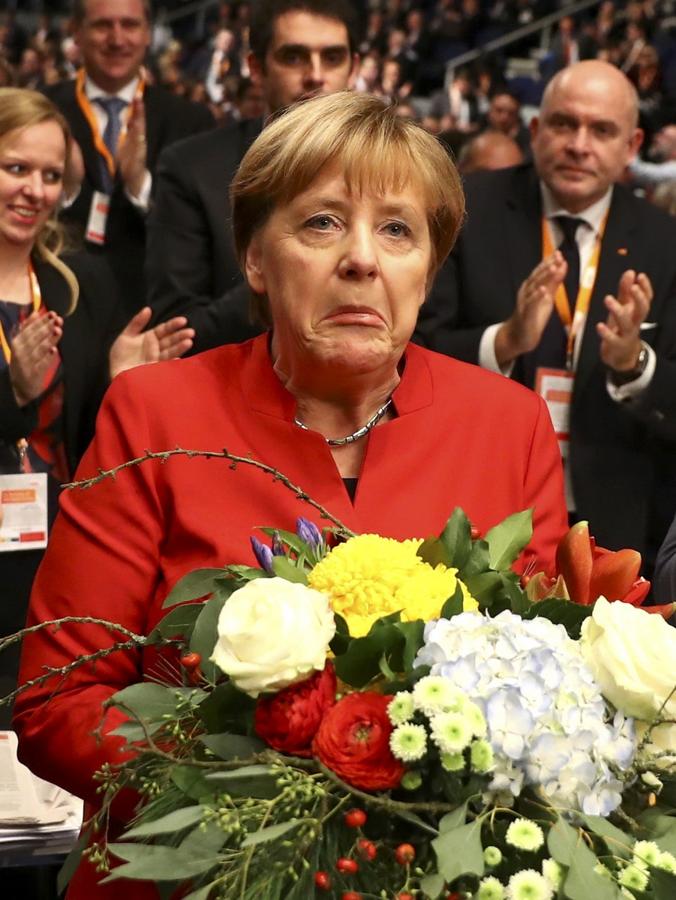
[[354, 742], [288, 721]]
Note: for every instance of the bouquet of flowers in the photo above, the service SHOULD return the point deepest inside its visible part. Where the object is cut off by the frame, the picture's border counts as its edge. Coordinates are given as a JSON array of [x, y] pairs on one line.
[[372, 718]]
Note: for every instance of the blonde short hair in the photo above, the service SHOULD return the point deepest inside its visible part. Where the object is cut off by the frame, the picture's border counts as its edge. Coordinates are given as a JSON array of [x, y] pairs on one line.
[[19, 109], [378, 150]]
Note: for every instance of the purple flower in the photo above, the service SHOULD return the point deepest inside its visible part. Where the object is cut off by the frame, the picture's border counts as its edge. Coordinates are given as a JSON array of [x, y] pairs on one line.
[[308, 532], [262, 553], [278, 548]]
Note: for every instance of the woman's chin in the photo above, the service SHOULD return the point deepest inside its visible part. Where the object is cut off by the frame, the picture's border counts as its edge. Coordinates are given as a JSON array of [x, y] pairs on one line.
[[357, 353]]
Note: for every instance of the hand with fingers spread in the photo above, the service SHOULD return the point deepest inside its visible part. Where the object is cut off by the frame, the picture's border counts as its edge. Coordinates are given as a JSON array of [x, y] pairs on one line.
[[523, 330], [135, 347], [33, 352], [132, 153], [621, 332]]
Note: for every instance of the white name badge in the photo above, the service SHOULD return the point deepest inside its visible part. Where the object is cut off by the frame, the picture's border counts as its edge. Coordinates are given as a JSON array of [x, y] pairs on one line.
[[23, 511], [555, 386], [98, 217]]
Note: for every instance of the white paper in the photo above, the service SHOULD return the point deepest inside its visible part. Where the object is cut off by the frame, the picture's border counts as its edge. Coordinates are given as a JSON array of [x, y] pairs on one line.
[[23, 511]]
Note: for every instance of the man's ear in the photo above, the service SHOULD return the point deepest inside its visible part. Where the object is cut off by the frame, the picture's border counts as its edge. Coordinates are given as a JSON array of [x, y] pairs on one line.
[[253, 266], [255, 69], [635, 142], [533, 127]]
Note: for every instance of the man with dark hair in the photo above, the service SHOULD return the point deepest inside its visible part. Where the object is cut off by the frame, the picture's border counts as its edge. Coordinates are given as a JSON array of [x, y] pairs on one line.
[[565, 281], [120, 124], [504, 117], [299, 48]]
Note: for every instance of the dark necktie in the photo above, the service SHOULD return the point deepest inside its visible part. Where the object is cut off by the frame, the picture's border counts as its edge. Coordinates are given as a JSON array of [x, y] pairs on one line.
[[112, 106], [571, 254]]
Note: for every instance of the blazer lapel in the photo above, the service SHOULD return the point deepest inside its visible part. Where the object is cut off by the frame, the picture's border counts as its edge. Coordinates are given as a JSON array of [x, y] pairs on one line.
[[615, 258], [83, 135]]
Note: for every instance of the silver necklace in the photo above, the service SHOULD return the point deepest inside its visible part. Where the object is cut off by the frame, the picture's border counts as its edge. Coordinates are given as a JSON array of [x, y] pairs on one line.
[[356, 435]]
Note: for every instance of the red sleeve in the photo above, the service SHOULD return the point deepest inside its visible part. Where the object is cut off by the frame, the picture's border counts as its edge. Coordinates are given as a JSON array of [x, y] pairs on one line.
[[102, 561], [544, 492]]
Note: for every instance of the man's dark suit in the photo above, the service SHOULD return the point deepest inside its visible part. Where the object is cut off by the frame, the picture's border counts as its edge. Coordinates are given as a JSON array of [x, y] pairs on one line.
[[622, 455], [191, 268], [168, 119]]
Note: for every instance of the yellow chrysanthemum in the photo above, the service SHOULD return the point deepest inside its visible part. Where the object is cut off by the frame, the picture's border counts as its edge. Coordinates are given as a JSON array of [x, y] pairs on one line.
[[370, 576]]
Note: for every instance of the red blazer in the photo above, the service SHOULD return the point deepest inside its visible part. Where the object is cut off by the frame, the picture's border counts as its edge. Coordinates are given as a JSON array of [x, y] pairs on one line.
[[461, 437]]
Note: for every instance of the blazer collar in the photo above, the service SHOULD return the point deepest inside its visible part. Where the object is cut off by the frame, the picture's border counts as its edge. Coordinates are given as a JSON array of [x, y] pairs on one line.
[[53, 287]]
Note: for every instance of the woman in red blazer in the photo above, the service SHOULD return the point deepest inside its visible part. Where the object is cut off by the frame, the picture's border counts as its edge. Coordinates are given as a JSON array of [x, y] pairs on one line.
[[342, 214]]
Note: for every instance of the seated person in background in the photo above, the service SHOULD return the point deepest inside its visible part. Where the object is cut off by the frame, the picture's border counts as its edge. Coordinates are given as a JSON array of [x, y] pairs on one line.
[[298, 48], [489, 150], [559, 268], [664, 581], [58, 322], [342, 212]]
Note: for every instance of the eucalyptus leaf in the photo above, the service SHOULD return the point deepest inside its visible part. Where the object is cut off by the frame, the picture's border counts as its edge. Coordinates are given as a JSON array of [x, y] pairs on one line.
[[663, 884], [666, 841], [506, 540], [271, 833], [247, 781], [432, 885], [155, 862], [459, 851], [72, 861], [582, 882], [193, 586], [453, 819], [204, 636], [415, 819], [618, 843], [204, 841], [284, 568], [191, 781], [201, 893], [457, 538], [241, 772], [562, 842], [232, 746], [172, 822], [153, 703]]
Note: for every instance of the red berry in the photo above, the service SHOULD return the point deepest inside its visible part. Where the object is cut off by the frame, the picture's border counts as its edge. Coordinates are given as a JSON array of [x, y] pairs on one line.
[[191, 660], [323, 881], [367, 849], [404, 895], [351, 895], [355, 818], [404, 854], [347, 866], [474, 533]]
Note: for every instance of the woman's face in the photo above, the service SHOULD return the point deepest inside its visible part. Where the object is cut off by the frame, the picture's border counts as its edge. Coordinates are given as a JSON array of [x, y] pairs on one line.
[[32, 162], [345, 274]]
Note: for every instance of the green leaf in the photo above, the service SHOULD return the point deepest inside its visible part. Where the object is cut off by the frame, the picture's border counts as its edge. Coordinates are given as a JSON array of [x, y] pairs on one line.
[[663, 884], [413, 640], [173, 821], [666, 840], [459, 852], [431, 885], [201, 893], [618, 843], [359, 664], [191, 782], [518, 600], [284, 568], [561, 612], [477, 561], [192, 586], [414, 819], [177, 623], [247, 781], [226, 709], [582, 882], [152, 703], [72, 861], [232, 746], [456, 538], [154, 862], [290, 538], [562, 842], [205, 635], [204, 841], [453, 606], [509, 538], [484, 587], [434, 552], [271, 833], [242, 573], [454, 819]]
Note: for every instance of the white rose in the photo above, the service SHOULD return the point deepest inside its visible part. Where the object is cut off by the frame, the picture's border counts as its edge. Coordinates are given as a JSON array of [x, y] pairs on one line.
[[632, 655], [272, 633]]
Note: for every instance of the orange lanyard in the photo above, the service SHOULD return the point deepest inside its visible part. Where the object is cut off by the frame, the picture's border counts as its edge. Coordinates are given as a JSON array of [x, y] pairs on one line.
[[574, 321], [92, 121], [36, 299]]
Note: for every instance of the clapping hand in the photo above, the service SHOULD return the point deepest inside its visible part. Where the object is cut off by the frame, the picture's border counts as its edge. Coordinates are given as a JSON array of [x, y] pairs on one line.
[[132, 153], [621, 332], [522, 332], [135, 347], [33, 351]]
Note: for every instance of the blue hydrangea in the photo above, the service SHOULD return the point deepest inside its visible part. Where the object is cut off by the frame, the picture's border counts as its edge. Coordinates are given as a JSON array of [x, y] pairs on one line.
[[548, 723]]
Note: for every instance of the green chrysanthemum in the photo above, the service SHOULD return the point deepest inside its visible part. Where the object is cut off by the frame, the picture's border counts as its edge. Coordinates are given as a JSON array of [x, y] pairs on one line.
[[646, 853], [634, 878], [408, 742], [667, 861], [553, 872], [529, 885], [411, 781], [476, 719], [481, 756], [492, 856], [401, 708], [451, 732], [490, 889], [525, 835], [453, 762], [434, 694]]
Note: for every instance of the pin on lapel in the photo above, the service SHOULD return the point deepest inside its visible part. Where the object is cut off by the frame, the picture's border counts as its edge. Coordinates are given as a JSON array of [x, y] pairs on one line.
[[622, 251]]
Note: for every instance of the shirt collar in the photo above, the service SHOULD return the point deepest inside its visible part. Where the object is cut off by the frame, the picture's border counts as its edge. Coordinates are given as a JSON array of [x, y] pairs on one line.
[[127, 93], [592, 216]]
